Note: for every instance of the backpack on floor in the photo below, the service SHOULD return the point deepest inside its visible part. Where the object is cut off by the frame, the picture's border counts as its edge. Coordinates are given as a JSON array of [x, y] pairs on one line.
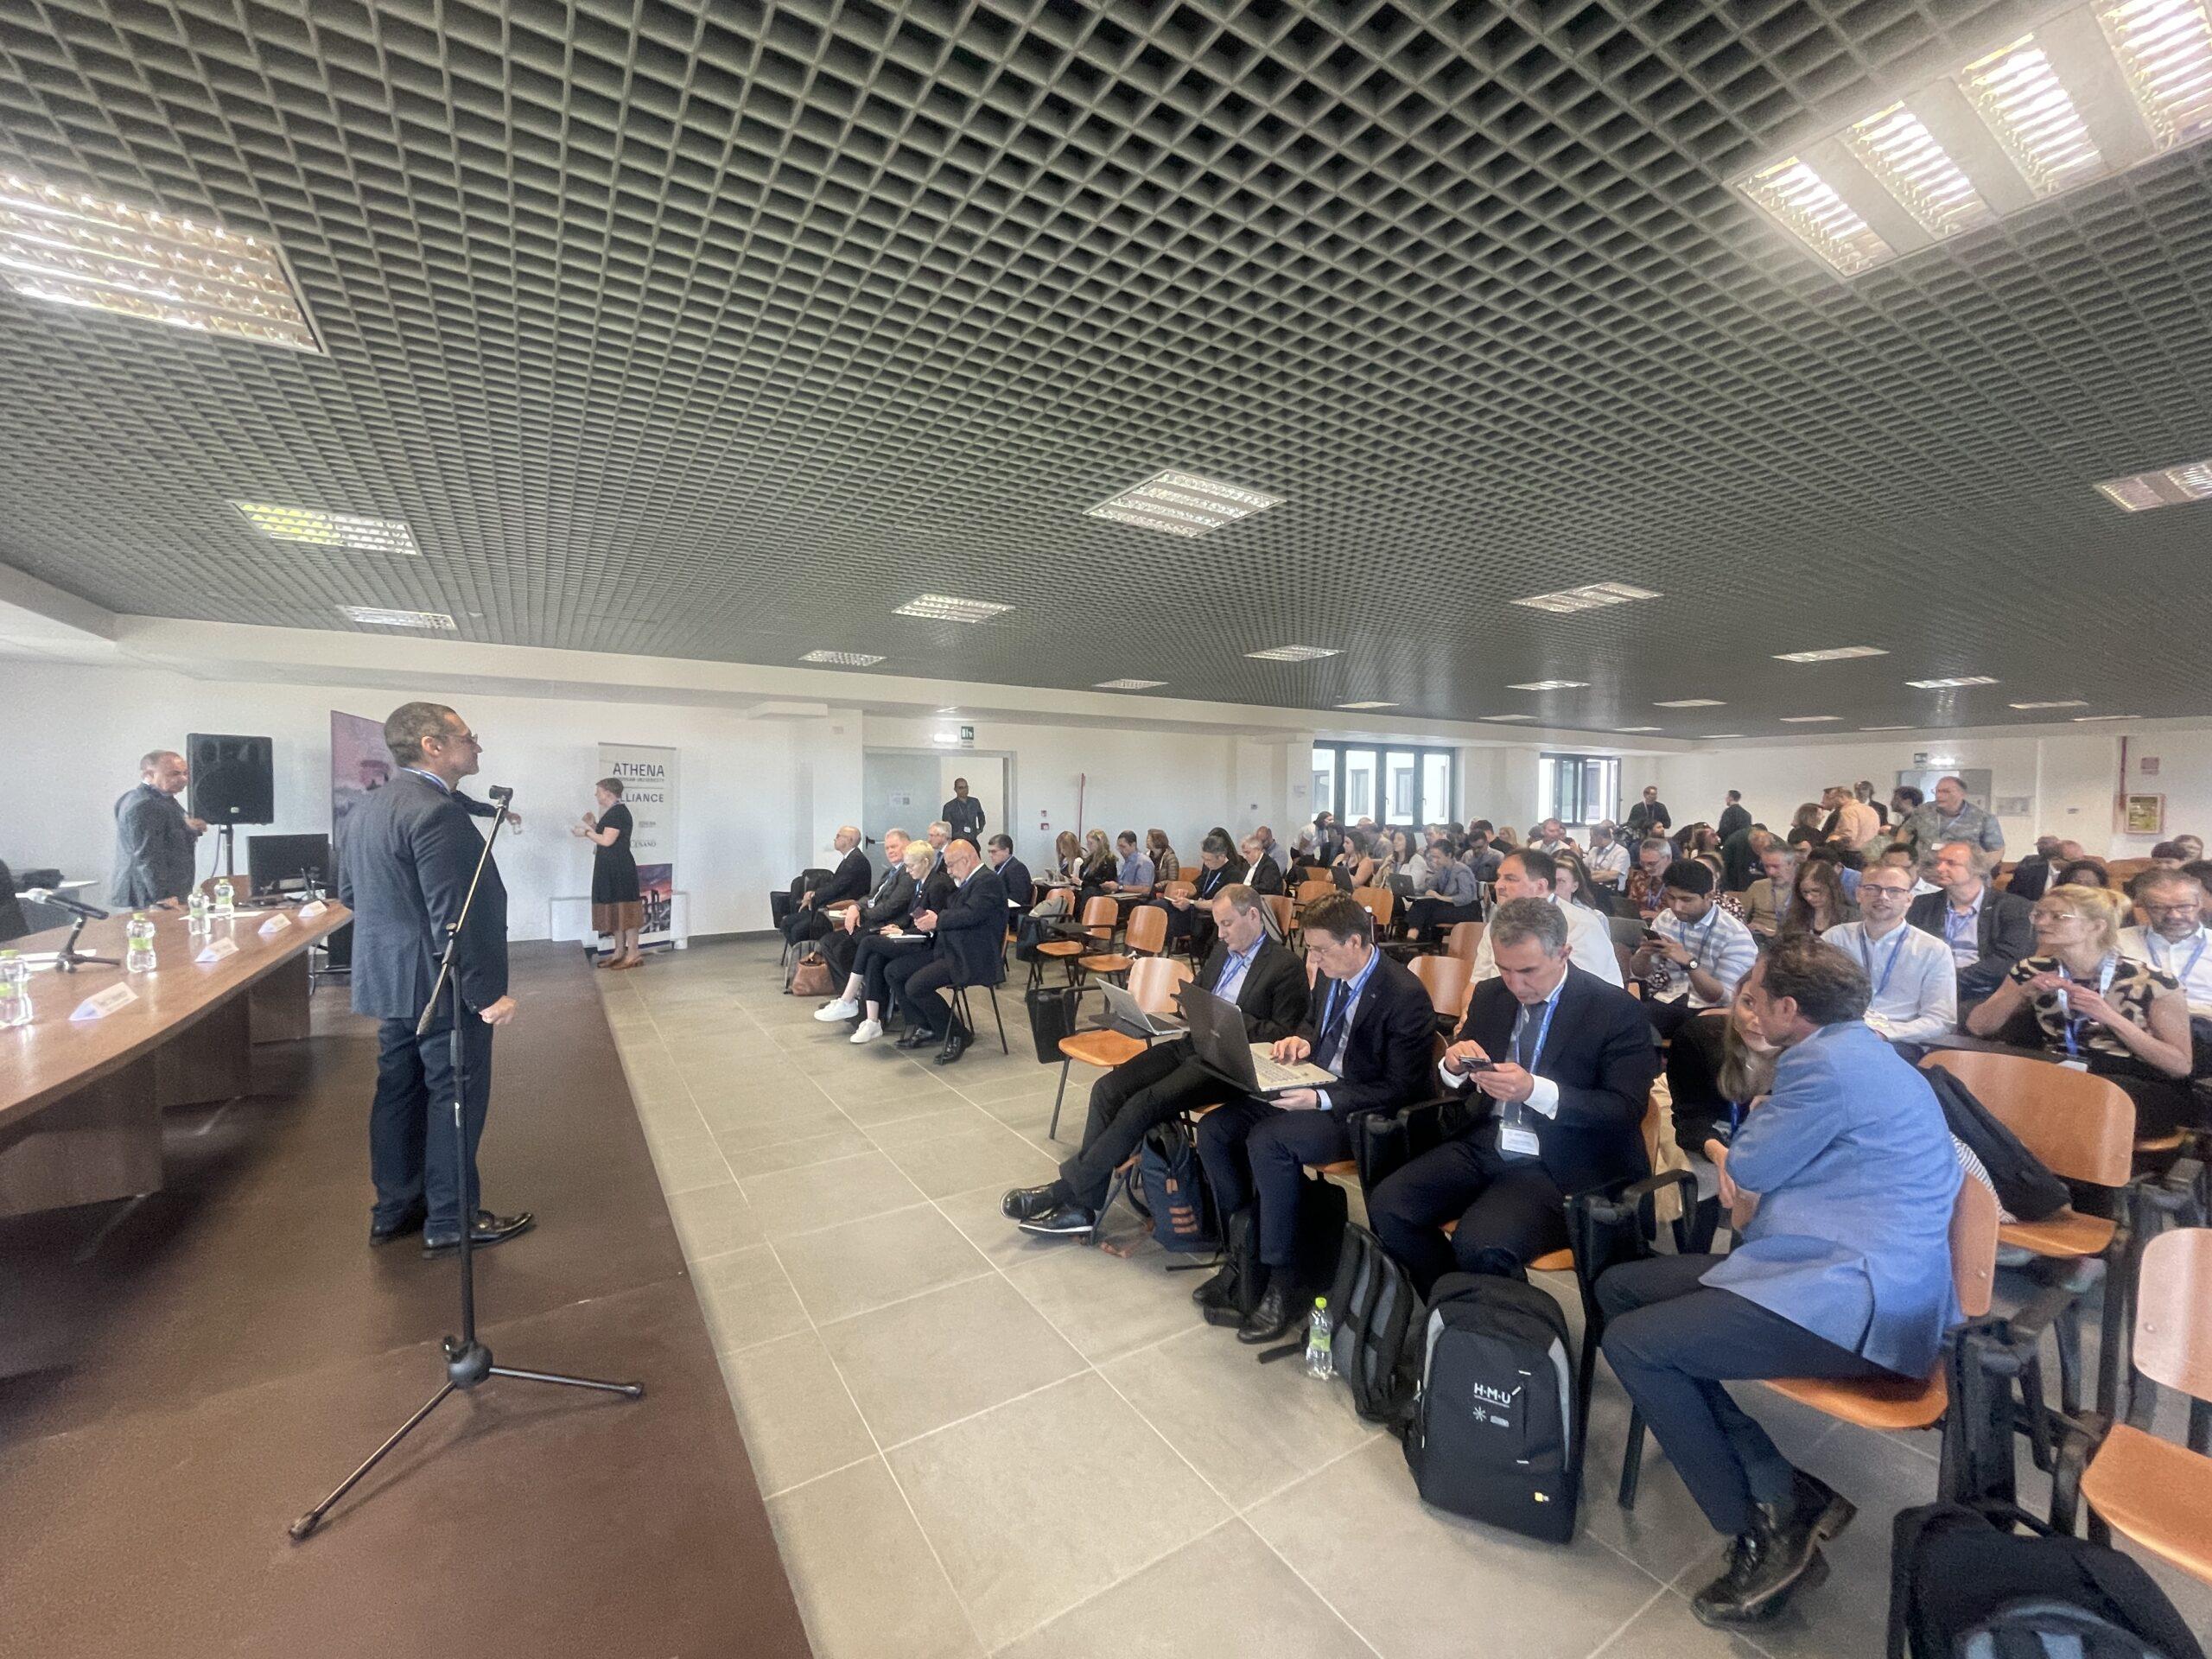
[[1171, 1188], [1493, 1431], [1963, 1586], [2027, 1190], [1373, 1308], [809, 974], [1323, 1217]]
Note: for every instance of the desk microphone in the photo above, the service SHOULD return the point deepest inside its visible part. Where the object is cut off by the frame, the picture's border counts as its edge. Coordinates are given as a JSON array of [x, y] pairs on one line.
[[62, 901]]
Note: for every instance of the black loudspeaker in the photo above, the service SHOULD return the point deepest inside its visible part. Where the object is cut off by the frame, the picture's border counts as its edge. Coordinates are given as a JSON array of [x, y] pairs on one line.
[[233, 778]]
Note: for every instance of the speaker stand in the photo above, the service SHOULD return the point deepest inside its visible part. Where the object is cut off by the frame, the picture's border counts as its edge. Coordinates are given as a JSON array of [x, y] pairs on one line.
[[229, 832]]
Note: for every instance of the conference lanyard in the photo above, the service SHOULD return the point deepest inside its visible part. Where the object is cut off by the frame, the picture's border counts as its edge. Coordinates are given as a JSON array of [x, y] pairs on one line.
[[1704, 937], [1528, 1057], [2073, 1026], [1866, 957], [2188, 968], [1952, 922], [1944, 831]]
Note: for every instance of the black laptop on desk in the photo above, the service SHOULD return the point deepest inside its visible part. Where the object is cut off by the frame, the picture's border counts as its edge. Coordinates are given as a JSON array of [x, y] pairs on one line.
[[1218, 1043]]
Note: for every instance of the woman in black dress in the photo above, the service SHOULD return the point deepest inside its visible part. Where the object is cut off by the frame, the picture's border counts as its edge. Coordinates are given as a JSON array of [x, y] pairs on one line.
[[616, 906]]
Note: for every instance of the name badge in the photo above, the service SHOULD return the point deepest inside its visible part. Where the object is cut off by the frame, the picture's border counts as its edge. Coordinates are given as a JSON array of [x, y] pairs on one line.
[[218, 950], [309, 910], [101, 1004], [1517, 1142]]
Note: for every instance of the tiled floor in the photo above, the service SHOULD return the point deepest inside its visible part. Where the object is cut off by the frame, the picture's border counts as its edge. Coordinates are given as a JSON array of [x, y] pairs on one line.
[[975, 1442]]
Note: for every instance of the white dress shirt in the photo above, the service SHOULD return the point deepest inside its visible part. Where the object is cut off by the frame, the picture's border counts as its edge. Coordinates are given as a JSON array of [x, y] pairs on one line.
[[1914, 981], [1589, 946], [1609, 864], [2188, 961], [1543, 1093]]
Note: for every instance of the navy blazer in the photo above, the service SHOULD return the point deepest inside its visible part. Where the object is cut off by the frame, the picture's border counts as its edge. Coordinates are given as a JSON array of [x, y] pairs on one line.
[[1600, 1053], [849, 880], [971, 929], [1264, 876], [2004, 933], [892, 901], [1272, 995], [153, 856], [410, 852], [1014, 876], [1387, 1053]]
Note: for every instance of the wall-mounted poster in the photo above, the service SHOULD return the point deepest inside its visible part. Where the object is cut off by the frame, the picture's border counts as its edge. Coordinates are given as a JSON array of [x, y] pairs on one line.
[[2147, 815], [648, 776], [360, 763]]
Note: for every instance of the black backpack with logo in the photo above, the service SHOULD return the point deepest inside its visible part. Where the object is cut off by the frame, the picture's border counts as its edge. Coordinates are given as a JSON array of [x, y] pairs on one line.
[[1493, 1435], [1373, 1312]]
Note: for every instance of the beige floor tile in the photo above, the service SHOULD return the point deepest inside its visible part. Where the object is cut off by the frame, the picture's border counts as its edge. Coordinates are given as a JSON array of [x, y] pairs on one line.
[[1668, 1630], [798, 1420], [686, 1166], [1419, 1583], [867, 1586], [1250, 1429], [739, 1132], [874, 1110], [991, 1155], [825, 1195], [877, 1259], [957, 1118], [1042, 1502], [976, 1213], [1106, 1305], [714, 1221], [842, 1141], [746, 1300], [921, 1363], [1225, 1593]]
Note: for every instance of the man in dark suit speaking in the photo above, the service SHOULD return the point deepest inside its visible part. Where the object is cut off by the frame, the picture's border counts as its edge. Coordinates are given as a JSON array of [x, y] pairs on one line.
[[1268, 984], [970, 930], [409, 856], [1561, 1064]]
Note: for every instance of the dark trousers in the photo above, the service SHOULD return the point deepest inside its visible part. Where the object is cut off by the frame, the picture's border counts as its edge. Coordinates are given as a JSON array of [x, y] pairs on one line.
[[840, 948], [1253, 1148], [411, 1122], [1128, 1102], [917, 977], [1439, 913], [806, 923], [878, 956], [1509, 1210], [1673, 1342]]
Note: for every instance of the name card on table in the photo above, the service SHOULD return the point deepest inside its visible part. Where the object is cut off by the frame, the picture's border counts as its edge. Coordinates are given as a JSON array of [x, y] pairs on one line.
[[217, 949], [101, 1004], [275, 924], [309, 912]]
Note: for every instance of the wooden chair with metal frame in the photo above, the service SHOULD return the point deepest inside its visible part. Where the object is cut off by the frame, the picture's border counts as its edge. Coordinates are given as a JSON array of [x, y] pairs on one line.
[[1380, 903], [1285, 913], [1154, 982], [2082, 1129], [1463, 940], [2149, 1490], [1147, 936], [1100, 917], [1450, 983]]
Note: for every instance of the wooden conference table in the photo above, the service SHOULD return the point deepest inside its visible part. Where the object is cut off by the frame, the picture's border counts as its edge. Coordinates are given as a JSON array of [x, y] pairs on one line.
[[81, 1100]]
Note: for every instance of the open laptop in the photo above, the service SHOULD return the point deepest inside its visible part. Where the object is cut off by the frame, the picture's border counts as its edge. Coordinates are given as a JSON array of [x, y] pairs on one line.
[[1217, 1043], [1125, 1011]]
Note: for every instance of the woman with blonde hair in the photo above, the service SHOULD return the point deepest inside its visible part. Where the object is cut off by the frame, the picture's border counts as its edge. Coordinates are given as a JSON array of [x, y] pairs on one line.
[[2115, 1017], [1099, 866]]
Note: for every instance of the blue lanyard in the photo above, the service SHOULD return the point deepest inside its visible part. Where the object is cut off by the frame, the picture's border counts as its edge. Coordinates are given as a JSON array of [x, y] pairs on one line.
[[1952, 920], [1704, 937], [1866, 957], [1528, 1057], [2188, 968], [2072, 1026]]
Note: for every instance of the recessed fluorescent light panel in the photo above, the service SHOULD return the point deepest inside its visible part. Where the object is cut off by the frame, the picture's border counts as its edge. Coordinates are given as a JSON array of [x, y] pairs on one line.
[[1840, 653], [1715, 737], [2056, 703], [71, 248], [1808, 206], [2024, 104], [1955, 681], [1808, 719], [1126, 685], [2164, 48], [1183, 503], [1502, 718], [2084, 719], [843, 659], [1367, 705], [329, 529], [1886, 728], [943, 608], [1549, 685], [1691, 703], [1597, 595], [376, 616], [1897, 149], [2177, 487], [1630, 731], [1292, 653]]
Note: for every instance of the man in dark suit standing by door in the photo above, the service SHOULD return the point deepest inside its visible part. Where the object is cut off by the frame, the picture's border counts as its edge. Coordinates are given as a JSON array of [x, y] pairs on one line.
[[1268, 984], [970, 930], [1559, 1066], [410, 856]]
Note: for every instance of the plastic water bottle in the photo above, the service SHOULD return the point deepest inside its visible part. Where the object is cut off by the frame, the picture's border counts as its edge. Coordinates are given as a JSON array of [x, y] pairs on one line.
[[139, 958], [1318, 1362], [196, 918], [226, 900], [15, 990]]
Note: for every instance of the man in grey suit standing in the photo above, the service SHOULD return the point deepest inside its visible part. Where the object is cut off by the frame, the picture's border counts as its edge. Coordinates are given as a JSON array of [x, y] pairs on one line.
[[410, 855], [153, 837]]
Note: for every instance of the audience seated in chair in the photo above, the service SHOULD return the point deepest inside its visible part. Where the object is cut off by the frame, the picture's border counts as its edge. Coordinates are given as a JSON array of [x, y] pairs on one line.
[[1370, 1022], [1134, 874], [1767, 899], [1654, 854], [810, 917], [1451, 896], [875, 945], [1700, 955], [1268, 984], [887, 902], [1556, 1107], [1987, 931], [1529, 873], [1262, 873], [1190, 921], [1915, 997], [969, 939], [1843, 1270], [1013, 874]]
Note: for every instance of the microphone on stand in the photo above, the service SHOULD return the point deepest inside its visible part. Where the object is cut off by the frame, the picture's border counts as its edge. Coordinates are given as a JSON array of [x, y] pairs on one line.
[[500, 794], [63, 901]]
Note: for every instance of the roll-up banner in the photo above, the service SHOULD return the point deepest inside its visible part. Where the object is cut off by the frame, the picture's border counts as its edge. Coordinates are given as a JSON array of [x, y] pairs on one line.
[[648, 776]]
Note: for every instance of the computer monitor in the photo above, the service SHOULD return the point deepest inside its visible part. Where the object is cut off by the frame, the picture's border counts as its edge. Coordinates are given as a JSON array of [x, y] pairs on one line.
[[281, 863]]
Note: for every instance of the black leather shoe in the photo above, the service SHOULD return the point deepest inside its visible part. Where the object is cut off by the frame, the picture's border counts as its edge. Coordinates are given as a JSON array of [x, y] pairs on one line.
[[1768, 1564], [1272, 1319], [411, 1221], [1027, 1202], [1821, 1507], [489, 1230], [1063, 1221], [912, 1037], [1220, 1291], [956, 1044]]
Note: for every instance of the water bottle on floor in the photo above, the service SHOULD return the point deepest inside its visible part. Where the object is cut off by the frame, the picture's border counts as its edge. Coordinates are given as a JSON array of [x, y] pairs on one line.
[[15, 990], [1318, 1363], [226, 899], [139, 957]]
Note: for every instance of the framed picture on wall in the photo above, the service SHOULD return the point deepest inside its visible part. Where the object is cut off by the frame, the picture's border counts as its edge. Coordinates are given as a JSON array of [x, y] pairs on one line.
[[2147, 815]]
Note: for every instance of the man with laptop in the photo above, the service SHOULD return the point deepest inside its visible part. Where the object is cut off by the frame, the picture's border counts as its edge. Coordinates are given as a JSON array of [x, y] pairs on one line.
[[1258, 982], [1370, 1027]]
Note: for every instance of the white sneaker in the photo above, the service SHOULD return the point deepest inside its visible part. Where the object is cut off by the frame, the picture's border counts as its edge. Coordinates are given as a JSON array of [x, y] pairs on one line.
[[843, 1008], [868, 1032]]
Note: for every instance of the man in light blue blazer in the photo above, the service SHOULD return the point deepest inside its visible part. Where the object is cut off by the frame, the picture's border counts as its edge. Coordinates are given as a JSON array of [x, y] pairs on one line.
[[1844, 1271]]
